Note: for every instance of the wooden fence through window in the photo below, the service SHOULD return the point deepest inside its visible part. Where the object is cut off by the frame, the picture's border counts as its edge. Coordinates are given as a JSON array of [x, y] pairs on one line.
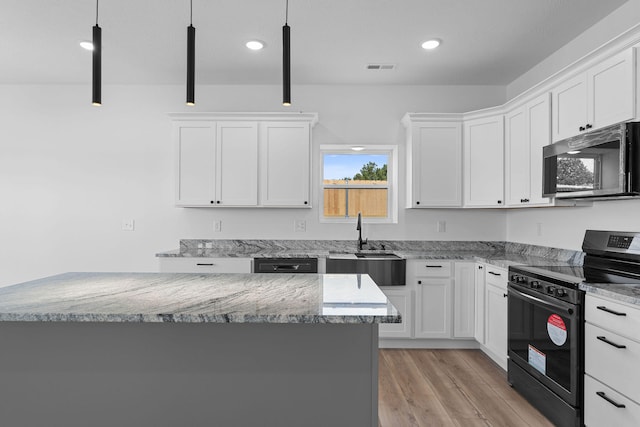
[[368, 197]]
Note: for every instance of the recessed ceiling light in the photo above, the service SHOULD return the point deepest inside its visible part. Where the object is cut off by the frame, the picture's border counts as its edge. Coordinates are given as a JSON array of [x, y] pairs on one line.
[[431, 44], [86, 44], [255, 44]]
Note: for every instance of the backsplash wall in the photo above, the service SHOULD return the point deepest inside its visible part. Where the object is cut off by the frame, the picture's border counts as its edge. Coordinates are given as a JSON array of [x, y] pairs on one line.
[[70, 173]]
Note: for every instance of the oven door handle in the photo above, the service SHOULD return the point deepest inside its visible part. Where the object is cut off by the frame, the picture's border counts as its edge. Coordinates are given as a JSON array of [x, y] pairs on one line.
[[511, 289]]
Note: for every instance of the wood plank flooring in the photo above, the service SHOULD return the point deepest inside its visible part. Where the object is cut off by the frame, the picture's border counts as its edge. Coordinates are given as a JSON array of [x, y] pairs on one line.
[[448, 388]]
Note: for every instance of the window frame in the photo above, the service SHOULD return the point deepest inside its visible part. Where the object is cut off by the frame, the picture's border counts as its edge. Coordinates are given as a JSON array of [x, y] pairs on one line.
[[392, 181]]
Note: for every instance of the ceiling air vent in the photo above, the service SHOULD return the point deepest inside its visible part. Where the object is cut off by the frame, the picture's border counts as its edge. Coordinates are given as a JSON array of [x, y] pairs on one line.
[[380, 67]]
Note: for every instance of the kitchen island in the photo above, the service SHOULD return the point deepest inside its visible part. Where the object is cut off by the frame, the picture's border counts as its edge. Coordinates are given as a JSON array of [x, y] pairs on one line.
[[105, 349]]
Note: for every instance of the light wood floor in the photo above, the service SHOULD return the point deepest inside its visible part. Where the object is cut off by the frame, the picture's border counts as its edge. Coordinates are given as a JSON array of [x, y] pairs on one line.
[[448, 388]]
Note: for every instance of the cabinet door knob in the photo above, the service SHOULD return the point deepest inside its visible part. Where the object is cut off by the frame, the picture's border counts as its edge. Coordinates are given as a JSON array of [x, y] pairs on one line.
[[479, 267], [581, 128], [212, 202], [306, 203], [499, 202], [218, 201], [417, 203], [589, 126], [419, 282]]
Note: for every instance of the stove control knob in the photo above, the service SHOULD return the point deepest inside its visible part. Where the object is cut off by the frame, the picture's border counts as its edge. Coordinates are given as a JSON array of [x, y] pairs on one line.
[[535, 284], [550, 289], [561, 293], [521, 279]]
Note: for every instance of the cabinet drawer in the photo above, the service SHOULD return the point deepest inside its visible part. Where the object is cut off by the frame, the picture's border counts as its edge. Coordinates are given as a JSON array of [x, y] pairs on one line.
[[612, 359], [621, 318], [431, 268], [496, 276], [598, 411], [205, 265]]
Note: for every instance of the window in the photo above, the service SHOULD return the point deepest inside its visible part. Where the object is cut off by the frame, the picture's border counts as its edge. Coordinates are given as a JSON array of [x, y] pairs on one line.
[[358, 181]]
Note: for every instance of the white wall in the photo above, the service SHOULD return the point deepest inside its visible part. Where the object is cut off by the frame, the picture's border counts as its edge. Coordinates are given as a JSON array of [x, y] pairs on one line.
[[565, 227], [70, 172]]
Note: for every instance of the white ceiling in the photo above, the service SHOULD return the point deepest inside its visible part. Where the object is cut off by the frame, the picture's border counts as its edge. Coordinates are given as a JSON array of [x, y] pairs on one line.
[[484, 41]]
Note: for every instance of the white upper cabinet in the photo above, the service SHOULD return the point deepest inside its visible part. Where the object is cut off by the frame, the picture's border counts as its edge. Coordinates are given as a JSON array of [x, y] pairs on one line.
[[527, 130], [196, 157], [484, 162], [285, 178], [237, 164], [434, 163], [243, 159], [603, 95]]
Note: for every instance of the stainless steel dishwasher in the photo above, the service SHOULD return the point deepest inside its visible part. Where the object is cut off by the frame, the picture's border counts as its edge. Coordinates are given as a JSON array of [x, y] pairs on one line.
[[285, 265]]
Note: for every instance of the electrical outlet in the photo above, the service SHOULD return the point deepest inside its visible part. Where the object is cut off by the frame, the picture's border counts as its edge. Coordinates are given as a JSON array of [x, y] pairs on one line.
[[442, 226], [300, 225], [128, 225], [217, 225]]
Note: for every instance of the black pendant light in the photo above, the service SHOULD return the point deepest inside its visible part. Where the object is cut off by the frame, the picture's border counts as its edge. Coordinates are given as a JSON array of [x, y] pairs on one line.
[[286, 61], [96, 98], [191, 60]]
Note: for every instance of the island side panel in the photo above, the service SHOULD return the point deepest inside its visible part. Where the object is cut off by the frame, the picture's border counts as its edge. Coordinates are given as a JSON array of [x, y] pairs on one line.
[[106, 374]]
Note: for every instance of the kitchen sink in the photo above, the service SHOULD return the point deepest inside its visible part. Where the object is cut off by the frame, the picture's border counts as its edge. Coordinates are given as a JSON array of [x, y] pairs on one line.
[[386, 269], [377, 255]]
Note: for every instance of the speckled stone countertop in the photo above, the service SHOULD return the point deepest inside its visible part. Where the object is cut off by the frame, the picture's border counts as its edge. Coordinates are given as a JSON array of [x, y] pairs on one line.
[[198, 298], [500, 254], [628, 293]]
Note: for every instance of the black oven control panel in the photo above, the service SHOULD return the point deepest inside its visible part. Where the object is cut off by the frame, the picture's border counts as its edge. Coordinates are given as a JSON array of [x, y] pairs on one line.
[[549, 286]]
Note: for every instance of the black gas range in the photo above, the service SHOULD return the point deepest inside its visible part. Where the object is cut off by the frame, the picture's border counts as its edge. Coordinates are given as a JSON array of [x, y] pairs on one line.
[[546, 322]]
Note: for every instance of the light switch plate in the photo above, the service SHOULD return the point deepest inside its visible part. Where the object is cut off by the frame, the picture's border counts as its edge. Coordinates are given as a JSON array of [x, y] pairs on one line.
[[217, 225], [128, 225], [442, 226]]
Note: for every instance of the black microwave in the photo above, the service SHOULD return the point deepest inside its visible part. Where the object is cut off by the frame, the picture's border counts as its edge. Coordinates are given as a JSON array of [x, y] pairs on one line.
[[601, 164]]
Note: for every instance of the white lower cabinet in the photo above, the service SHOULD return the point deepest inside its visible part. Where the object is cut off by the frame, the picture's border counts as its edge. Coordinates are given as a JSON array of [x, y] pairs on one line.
[[433, 308], [204, 265], [402, 301], [479, 291], [464, 300], [603, 406], [612, 353], [496, 314]]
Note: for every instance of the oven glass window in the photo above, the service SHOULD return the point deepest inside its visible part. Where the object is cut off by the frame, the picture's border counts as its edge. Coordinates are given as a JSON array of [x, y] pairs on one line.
[[543, 339]]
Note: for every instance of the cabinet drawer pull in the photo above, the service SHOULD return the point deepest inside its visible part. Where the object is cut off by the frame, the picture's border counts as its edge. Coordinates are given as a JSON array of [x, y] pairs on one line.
[[494, 273], [610, 400], [608, 310], [433, 266], [604, 339], [205, 264]]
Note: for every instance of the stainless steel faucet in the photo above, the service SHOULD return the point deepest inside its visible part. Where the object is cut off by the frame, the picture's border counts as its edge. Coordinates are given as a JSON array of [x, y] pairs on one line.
[[361, 242]]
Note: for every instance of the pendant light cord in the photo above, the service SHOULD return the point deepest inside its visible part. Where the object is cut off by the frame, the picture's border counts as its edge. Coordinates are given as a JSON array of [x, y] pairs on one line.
[[286, 14], [191, 14], [97, 7]]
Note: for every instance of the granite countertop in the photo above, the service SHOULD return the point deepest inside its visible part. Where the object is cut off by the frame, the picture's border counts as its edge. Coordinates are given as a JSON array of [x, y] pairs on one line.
[[628, 293], [198, 298]]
